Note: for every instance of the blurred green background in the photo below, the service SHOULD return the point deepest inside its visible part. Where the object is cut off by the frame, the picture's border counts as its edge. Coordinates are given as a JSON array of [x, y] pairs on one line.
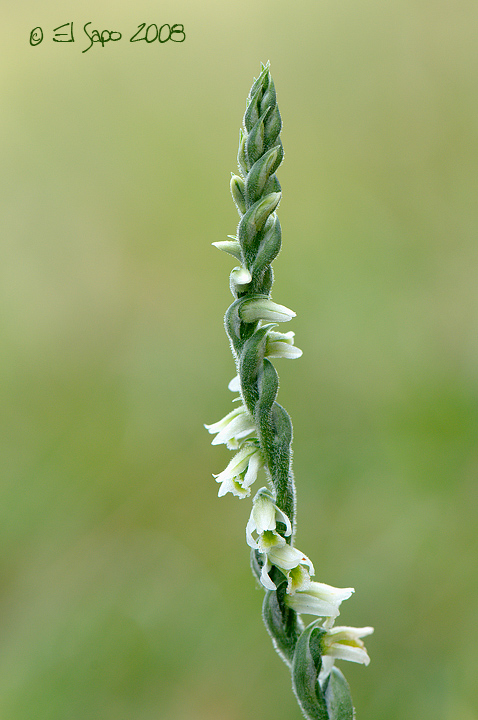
[[125, 589]]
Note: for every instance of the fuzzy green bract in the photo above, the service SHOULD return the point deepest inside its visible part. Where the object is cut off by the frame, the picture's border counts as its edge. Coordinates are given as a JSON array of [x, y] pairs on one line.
[[261, 431]]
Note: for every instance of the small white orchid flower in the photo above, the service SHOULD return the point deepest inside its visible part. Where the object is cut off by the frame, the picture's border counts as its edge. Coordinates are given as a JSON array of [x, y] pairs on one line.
[[281, 345], [234, 427], [343, 643], [266, 310], [264, 516], [319, 599], [290, 562], [241, 472]]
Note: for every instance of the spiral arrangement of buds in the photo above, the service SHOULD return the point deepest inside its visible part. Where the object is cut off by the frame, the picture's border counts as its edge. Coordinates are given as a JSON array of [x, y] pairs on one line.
[[260, 430]]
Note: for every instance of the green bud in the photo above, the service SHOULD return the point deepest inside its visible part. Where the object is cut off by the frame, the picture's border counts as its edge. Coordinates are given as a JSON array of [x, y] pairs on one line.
[[252, 114], [260, 173], [241, 153], [270, 243], [269, 97], [272, 127], [254, 219], [255, 140], [237, 191]]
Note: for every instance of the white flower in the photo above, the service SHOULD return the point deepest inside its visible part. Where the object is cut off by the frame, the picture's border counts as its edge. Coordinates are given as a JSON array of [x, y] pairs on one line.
[[235, 426], [291, 562], [266, 310], [241, 472], [264, 516], [281, 345], [343, 643], [319, 599]]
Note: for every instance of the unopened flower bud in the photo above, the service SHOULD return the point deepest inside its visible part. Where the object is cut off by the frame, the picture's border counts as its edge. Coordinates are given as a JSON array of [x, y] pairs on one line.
[[237, 191]]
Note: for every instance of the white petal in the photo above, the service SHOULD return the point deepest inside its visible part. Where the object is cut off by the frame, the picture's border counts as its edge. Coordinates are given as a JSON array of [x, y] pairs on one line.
[[282, 517], [301, 602], [275, 336], [288, 557], [349, 634], [221, 424], [232, 486], [235, 384], [329, 593], [327, 665], [239, 427], [266, 310], [263, 512], [255, 464], [283, 350], [348, 652], [265, 579], [250, 527], [239, 462]]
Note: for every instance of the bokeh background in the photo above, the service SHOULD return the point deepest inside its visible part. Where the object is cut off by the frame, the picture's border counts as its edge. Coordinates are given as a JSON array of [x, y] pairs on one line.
[[125, 590]]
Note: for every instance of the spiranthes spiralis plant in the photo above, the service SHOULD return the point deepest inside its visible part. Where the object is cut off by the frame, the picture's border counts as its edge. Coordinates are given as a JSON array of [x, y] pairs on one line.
[[260, 431]]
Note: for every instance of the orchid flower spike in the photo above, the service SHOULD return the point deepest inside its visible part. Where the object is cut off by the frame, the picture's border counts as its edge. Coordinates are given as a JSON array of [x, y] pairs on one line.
[[259, 430]]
